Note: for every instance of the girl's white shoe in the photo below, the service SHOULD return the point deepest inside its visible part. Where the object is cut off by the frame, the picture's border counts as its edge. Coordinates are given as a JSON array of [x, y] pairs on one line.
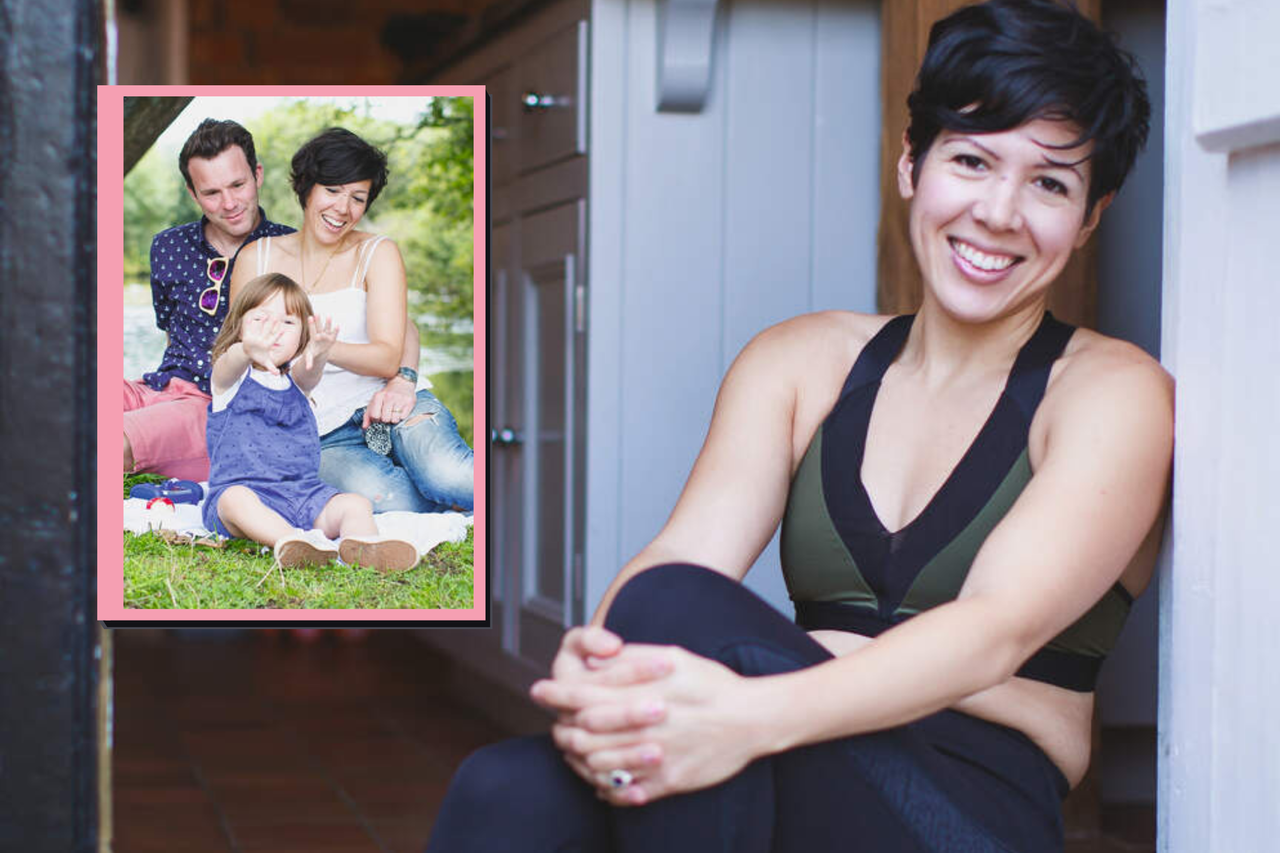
[[305, 548], [384, 553]]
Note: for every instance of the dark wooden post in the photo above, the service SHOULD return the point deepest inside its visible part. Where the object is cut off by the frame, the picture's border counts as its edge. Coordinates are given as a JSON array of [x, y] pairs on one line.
[[49, 651]]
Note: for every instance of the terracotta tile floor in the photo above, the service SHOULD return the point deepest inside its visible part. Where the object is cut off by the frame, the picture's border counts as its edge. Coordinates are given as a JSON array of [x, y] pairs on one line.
[[243, 742], [251, 742]]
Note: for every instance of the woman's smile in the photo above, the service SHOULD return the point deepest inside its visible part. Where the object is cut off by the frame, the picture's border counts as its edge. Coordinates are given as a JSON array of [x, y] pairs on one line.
[[982, 266]]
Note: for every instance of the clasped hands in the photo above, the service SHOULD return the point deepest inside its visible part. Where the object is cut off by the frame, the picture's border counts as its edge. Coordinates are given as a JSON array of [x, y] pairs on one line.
[[674, 721]]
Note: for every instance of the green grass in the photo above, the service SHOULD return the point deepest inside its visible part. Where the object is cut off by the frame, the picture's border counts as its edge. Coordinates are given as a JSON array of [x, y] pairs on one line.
[[239, 576], [456, 390]]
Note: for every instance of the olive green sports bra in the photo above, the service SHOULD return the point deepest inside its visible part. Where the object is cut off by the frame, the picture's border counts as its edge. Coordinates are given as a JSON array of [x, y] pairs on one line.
[[846, 571]]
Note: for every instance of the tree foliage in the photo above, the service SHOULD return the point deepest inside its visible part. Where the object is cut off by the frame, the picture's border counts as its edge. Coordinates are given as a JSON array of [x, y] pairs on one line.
[[426, 207]]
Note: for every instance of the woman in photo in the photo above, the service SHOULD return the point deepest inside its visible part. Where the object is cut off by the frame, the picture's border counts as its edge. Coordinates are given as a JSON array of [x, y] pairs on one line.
[[418, 461], [969, 499]]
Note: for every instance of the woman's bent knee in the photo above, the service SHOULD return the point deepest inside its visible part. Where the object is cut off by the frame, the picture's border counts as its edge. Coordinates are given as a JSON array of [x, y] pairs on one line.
[[503, 772], [516, 795], [655, 606], [712, 615]]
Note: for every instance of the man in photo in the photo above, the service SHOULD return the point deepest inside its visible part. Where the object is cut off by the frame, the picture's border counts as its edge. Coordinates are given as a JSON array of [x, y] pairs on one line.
[[165, 412]]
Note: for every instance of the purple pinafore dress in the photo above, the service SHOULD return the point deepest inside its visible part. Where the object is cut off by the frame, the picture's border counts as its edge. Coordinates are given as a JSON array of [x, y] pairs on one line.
[[266, 439]]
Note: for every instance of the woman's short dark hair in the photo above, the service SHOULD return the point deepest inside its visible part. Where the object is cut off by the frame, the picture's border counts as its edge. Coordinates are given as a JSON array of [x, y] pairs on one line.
[[334, 157], [210, 139], [997, 65]]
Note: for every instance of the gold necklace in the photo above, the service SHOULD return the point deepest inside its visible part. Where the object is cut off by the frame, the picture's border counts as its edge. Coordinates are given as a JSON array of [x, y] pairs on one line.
[[302, 257]]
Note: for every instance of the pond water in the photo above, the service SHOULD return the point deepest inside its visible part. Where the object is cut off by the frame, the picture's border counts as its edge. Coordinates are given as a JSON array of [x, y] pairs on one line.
[[448, 350]]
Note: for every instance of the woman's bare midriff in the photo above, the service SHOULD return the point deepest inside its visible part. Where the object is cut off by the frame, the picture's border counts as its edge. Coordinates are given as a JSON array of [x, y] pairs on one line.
[[1056, 719]]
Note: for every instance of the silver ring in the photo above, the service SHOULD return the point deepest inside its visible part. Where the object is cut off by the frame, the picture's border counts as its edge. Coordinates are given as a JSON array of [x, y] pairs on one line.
[[620, 778]]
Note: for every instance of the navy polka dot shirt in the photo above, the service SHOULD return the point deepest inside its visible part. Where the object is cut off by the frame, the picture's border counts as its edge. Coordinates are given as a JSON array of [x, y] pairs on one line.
[[179, 274]]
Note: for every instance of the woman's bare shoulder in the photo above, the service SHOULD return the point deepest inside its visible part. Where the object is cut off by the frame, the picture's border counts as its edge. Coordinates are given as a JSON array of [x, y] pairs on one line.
[[385, 255], [824, 336], [807, 358], [1092, 358], [1111, 382], [382, 244], [281, 245]]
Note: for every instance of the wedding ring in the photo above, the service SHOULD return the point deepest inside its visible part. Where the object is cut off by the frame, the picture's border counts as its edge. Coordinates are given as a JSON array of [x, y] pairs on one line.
[[620, 778]]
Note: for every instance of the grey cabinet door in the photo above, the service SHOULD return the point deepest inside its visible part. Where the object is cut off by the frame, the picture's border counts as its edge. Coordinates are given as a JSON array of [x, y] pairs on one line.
[[543, 337], [535, 75]]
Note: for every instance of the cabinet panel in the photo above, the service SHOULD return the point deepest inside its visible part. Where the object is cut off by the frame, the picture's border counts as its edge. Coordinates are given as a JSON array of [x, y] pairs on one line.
[[504, 125], [549, 278], [549, 288], [553, 99]]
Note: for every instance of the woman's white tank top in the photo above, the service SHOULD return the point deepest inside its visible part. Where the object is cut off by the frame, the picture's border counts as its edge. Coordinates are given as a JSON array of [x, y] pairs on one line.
[[340, 392]]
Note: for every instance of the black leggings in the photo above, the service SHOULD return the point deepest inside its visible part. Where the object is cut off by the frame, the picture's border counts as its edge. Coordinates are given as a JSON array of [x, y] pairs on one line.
[[948, 782]]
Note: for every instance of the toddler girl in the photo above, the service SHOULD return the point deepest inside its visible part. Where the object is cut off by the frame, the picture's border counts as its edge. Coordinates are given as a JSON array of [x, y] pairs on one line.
[[264, 450]]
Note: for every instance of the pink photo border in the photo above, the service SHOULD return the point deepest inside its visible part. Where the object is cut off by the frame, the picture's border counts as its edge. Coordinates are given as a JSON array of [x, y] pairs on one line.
[[111, 357]]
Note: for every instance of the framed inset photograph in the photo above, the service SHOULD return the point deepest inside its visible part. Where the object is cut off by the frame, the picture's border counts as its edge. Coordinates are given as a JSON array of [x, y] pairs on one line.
[[291, 283]]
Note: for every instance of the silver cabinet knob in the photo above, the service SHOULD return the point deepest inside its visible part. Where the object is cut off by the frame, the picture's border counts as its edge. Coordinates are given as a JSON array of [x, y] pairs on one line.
[[506, 437], [534, 101]]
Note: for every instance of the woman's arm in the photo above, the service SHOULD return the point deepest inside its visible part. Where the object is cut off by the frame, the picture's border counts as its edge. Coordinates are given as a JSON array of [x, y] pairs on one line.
[[1096, 492], [737, 490], [385, 311], [393, 402], [730, 505], [736, 493]]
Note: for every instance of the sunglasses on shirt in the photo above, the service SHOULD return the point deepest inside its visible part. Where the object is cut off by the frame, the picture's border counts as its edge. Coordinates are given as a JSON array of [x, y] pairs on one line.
[[216, 271]]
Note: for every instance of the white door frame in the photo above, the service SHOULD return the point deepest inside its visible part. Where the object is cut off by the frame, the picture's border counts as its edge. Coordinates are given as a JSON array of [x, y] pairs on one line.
[[1220, 589]]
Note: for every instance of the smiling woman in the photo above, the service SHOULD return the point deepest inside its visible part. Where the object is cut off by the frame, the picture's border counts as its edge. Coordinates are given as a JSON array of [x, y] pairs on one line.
[[380, 437], [969, 499]]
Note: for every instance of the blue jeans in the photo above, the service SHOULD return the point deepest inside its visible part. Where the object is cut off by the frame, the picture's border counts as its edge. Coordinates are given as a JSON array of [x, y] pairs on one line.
[[430, 468]]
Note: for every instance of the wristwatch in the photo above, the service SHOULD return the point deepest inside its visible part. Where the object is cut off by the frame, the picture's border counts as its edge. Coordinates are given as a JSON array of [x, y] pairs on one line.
[[408, 373]]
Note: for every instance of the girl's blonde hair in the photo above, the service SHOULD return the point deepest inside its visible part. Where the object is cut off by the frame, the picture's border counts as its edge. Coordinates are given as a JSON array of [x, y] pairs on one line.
[[254, 293]]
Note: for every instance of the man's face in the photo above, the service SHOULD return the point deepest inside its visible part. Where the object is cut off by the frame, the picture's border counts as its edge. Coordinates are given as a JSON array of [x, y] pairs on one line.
[[227, 191]]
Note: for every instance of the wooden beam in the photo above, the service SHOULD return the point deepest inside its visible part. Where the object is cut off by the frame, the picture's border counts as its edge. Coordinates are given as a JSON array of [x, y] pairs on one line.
[[904, 37]]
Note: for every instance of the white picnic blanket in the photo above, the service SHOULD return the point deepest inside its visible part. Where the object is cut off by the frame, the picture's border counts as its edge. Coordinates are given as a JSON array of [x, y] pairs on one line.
[[425, 530]]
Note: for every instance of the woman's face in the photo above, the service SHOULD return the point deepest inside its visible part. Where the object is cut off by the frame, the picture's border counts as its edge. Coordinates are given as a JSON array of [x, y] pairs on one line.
[[332, 211], [996, 216]]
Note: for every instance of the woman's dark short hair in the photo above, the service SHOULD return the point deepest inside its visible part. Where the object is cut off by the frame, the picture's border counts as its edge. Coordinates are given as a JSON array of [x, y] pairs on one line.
[[334, 157], [210, 139], [997, 65]]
